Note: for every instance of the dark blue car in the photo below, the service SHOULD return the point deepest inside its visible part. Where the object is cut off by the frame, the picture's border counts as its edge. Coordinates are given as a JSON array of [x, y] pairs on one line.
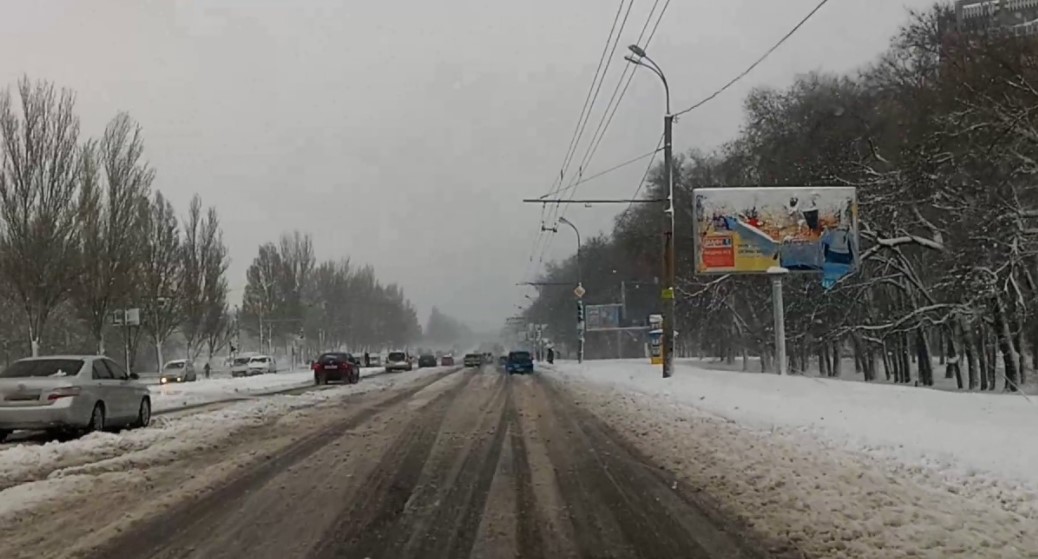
[[519, 362]]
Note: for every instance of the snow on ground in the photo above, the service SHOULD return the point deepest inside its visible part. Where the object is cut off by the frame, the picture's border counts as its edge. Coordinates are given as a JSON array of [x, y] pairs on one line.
[[32, 473], [203, 391], [840, 469]]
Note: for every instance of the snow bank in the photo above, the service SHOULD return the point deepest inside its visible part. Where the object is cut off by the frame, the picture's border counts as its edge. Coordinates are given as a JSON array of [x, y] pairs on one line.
[[971, 432], [203, 391], [839, 468], [167, 440]]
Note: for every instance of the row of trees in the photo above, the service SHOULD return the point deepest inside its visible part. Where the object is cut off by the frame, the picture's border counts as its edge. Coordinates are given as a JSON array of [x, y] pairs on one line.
[[83, 234], [317, 306], [940, 136]]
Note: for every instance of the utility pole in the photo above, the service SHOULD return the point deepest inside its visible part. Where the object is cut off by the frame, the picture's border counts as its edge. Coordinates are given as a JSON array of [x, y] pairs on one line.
[[669, 268], [669, 265]]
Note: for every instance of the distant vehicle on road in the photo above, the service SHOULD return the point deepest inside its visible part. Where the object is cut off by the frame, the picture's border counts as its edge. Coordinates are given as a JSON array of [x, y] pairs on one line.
[[502, 362], [178, 370], [447, 361], [77, 393], [261, 365], [473, 360], [240, 366], [519, 362], [398, 361], [336, 366], [426, 361]]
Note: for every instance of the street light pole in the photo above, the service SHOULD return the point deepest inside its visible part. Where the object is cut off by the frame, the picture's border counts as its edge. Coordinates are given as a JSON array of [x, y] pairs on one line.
[[669, 265], [580, 285]]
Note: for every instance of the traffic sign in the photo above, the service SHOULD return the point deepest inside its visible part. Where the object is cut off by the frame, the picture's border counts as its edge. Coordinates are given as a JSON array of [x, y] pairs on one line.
[[579, 291]]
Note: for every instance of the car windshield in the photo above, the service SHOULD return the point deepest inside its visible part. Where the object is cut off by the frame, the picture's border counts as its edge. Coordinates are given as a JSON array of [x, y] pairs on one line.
[[519, 356], [175, 365], [241, 360], [334, 357], [397, 356], [43, 368], [258, 360]]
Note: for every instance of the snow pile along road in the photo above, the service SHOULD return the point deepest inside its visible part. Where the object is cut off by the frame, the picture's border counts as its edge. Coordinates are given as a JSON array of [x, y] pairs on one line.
[[30, 473], [203, 391], [838, 469]]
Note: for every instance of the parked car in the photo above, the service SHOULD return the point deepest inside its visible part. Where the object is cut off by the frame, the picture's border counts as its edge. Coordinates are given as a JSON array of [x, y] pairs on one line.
[[473, 360], [240, 366], [178, 370], [519, 362], [78, 393], [398, 361], [261, 365], [336, 366], [426, 361], [447, 361]]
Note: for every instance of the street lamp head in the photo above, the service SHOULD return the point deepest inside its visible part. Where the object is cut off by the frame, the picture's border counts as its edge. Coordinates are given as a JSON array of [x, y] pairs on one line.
[[632, 59], [637, 50]]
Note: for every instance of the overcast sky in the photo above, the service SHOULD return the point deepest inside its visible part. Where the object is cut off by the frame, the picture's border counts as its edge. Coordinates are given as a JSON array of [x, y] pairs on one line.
[[404, 133]]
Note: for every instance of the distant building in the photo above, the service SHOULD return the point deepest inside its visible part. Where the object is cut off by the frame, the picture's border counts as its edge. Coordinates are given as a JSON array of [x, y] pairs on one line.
[[1010, 17]]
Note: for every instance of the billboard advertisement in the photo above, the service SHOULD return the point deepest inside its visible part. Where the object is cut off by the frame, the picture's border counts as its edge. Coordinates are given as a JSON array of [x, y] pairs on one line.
[[801, 228], [602, 317]]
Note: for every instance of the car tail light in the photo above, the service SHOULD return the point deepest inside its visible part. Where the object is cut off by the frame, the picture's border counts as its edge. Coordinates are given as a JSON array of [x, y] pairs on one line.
[[66, 392]]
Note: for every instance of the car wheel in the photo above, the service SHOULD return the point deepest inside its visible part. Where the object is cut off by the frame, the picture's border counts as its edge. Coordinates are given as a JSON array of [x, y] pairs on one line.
[[143, 414], [97, 419]]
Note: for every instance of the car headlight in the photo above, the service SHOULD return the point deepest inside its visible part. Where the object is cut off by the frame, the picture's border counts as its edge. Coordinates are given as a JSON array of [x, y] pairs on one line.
[[162, 380]]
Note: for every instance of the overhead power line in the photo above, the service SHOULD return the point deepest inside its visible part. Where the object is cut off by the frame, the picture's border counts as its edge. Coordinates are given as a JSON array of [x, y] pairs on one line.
[[605, 172], [756, 63]]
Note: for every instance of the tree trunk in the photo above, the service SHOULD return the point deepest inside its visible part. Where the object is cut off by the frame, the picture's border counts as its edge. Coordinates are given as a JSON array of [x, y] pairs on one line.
[[970, 351], [1010, 359], [158, 355], [859, 358], [823, 360], [837, 358], [745, 358], [869, 362], [100, 339], [906, 359], [953, 367], [888, 363], [923, 358], [942, 348]]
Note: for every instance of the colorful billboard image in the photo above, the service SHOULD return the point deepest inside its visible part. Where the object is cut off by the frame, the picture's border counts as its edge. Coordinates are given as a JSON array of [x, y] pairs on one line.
[[802, 229]]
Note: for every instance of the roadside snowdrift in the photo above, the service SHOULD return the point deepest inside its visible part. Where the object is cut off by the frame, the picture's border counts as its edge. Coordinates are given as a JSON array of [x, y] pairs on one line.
[[838, 469]]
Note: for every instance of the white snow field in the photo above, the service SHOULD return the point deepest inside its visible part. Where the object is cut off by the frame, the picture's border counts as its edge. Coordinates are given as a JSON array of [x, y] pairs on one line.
[[839, 469], [31, 474]]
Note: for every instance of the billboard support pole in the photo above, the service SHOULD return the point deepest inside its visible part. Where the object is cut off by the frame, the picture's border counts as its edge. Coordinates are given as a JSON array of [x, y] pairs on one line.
[[776, 274]]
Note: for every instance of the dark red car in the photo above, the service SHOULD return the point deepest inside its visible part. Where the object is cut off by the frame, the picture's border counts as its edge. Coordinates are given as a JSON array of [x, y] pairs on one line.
[[340, 367], [447, 361]]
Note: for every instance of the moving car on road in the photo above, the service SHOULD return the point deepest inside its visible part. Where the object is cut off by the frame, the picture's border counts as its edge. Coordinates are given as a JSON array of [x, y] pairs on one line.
[[426, 361], [502, 362], [398, 361], [80, 393], [178, 370], [519, 362], [447, 360], [473, 360], [342, 367]]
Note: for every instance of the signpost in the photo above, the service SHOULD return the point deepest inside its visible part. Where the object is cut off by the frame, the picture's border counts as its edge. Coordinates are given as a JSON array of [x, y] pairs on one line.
[[775, 231], [127, 318]]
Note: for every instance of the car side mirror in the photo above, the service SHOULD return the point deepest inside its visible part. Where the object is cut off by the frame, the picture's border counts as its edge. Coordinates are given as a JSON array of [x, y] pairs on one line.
[[135, 376]]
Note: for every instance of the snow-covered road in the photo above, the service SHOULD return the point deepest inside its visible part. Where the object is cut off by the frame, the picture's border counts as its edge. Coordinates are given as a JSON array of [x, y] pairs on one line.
[[846, 469]]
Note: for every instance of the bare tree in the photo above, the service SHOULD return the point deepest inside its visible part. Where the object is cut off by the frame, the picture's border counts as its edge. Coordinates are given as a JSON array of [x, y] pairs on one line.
[[216, 325], [159, 273], [110, 218], [204, 260], [39, 182]]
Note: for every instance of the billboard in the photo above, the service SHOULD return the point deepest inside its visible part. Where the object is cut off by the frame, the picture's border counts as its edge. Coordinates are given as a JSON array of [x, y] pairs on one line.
[[800, 228], [602, 317]]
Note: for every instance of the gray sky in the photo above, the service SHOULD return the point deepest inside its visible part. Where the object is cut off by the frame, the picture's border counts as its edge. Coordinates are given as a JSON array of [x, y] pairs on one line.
[[403, 133]]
